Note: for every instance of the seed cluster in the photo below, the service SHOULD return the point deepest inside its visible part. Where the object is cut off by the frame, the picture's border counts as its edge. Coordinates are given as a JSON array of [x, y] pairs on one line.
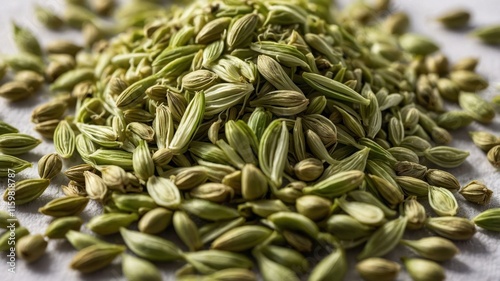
[[257, 131]]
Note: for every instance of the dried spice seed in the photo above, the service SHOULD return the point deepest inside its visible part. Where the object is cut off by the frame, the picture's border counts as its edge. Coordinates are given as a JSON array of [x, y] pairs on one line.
[[442, 201], [31, 247], [445, 156], [47, 128], [58, 228], [346, 227], [95, 257], [209, 261], [95, 187], [488, 34], [155, 221], [333, 266], [30, 78], [64, 206], [164, 192], [64, 139], [5, 238], [455, 18], [75, 173], [26, 191], [295, 222], [493, 156], [114, 177], [476, 192], [365, 213], [133, 202], [378, 269], [421, 269], [25, 40], [16, 143], [271, 270], [241, 238], [81, 240], [48, 111], [489, 219], [433, 248], [313, 207], [187, 230], [337, 184], [417, 44], [106, 224], [454, 228], [150, 247], [369, 198], [246, 125], [384, 239], [49, 166], [6, 128], [414, 212], [6, 219], [9, 164], [287, 257], [441, 178], [477, 107], [47, 17], [136, 269]]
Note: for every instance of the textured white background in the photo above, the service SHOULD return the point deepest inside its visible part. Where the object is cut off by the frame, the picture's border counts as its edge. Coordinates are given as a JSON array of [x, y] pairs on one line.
[[479, 258]]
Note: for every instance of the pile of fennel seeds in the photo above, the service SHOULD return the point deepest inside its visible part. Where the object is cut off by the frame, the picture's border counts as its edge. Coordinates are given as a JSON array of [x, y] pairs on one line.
[[277, 105]]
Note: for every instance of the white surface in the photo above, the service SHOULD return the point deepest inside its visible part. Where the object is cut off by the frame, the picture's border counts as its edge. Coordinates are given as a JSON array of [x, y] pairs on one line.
[[479, 258]]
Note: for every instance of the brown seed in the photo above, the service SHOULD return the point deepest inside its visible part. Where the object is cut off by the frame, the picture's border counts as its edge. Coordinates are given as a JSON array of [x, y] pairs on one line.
[[15, 91]]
